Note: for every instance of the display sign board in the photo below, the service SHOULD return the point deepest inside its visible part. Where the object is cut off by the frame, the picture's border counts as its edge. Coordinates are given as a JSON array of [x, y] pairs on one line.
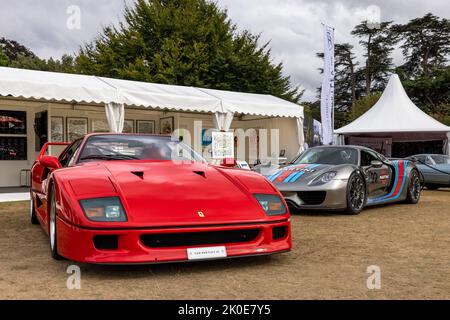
[[222, 145]]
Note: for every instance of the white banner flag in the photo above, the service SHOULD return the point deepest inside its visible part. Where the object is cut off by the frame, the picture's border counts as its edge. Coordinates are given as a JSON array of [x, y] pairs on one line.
[[327, 92]]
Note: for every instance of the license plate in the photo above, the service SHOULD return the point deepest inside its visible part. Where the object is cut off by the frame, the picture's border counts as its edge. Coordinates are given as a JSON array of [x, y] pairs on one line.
[[206, 253]]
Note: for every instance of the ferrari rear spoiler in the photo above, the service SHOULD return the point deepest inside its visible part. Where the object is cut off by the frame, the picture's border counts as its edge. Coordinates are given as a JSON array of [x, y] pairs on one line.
[[47, 144]]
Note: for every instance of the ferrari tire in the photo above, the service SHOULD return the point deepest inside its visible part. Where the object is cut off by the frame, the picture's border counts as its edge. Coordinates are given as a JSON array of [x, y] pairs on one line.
[[356, 193], [52, 232], [33, 217], [414, 187]]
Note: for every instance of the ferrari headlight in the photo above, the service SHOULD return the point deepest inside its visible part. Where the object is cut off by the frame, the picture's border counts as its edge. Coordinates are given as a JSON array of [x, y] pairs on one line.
[[324, 178], [104, 209], [271, 204]]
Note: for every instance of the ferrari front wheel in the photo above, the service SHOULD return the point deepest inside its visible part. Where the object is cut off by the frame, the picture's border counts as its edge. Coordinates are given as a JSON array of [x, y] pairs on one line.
[[356, 193], [52, 226]]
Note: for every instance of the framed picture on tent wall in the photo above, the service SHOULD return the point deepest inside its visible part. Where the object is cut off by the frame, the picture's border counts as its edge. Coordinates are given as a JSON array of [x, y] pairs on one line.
[[57, 129], [145, 126], [13, 122], [128, 126], [99, 125], [166, 125], [76, 128]]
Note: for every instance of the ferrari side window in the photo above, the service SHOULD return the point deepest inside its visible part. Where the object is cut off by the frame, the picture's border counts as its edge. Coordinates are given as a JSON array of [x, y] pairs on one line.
[[67, 155]]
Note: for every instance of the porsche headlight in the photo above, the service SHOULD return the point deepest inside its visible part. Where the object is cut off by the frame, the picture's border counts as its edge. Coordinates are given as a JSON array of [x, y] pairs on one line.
[[325, 177], [104, 209], [271, 204]]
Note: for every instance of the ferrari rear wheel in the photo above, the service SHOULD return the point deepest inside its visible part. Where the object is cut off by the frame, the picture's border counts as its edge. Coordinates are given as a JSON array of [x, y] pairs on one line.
[[356, 193], [413, 192], [33, 217], [52, 226]]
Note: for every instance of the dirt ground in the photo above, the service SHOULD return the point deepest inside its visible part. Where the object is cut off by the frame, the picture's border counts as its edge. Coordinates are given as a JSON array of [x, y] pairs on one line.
[[410, 244]]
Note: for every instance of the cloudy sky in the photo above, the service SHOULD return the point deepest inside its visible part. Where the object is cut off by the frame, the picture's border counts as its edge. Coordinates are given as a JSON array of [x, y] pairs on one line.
[[292, 26]]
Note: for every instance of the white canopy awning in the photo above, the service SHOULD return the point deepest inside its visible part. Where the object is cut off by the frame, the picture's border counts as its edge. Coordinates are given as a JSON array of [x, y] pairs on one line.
[[53, 86], [21, 83], [393, 113], [163, 96], [256, 104]]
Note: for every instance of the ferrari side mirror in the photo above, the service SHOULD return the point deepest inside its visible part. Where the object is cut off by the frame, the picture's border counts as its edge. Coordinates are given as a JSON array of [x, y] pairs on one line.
[[49, 162], [376, 164], [228, 162]]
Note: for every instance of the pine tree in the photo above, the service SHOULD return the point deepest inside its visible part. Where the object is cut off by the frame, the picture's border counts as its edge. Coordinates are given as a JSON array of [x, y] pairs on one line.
[[378, 44]]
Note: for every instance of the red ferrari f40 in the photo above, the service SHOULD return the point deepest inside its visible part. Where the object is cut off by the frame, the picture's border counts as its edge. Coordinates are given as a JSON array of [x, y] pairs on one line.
[[129, 198]]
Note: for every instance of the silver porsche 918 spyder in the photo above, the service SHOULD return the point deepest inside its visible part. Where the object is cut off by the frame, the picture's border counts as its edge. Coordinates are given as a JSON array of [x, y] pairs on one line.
[[345, 178]]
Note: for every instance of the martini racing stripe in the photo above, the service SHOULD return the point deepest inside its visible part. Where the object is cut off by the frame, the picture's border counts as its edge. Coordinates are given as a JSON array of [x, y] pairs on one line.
[[291, 173], [399, 183], [301, 173]]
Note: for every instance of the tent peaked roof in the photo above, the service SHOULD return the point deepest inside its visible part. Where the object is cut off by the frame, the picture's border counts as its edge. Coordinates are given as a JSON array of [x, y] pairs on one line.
[[394, 112]]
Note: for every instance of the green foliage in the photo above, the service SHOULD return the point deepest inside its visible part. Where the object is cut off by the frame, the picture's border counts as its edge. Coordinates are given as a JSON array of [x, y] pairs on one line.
[[184, 42], [66, 64], [378, 44], [426, 44], [12, 49], [443, 115], [429, 91], [4, 61]]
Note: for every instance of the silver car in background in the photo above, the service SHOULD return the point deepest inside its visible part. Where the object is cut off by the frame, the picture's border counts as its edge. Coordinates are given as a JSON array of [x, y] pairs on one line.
[[344, 178], [435, 169]]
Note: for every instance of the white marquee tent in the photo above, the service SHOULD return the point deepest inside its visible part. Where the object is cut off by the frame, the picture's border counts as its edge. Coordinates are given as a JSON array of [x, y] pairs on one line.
[[115, 94], [397, 117], [90, 101]]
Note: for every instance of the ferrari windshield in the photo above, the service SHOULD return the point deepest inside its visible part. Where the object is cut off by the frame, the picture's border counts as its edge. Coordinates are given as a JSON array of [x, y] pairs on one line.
[[329, 155], [136, 147]]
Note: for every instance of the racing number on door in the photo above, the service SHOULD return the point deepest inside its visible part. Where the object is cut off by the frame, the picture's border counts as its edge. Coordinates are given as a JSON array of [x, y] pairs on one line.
[[373, 177]]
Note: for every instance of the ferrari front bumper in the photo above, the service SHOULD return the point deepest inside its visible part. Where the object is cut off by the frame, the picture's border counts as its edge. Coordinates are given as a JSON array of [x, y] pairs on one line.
[[332, 195], [78, 244]]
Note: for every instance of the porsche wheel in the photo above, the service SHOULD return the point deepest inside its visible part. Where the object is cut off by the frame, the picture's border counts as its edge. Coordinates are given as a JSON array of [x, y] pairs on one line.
[[413, 192], [33, 217], [52, 226], [356, 193]]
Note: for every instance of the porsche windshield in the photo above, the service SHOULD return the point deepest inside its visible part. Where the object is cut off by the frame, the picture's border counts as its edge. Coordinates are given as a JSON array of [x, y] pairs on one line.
[[329, 155], [136, 147]]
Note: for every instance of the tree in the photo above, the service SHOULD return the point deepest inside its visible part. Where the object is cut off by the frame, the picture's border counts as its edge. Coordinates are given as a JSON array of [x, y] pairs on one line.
[[346, 81], [4, 61], [345, 76], [12, 49], [184, 42], [429, 91], [378, 44], [426, 44], [425, 73]]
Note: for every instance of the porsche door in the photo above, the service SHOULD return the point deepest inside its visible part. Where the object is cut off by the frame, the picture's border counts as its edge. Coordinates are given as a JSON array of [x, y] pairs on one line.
[[378, 177]]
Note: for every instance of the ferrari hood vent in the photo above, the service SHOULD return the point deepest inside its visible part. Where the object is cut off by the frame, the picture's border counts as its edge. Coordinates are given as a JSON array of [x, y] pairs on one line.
[[200, 173], [139, 174]]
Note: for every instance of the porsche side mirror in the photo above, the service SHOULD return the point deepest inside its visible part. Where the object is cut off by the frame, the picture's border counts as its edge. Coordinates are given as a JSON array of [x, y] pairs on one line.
[[376, 164], [228, 162], [50, 162]]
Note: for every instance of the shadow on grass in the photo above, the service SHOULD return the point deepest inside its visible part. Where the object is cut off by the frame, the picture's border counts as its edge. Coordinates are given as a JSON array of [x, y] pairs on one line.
[[173, 268]]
